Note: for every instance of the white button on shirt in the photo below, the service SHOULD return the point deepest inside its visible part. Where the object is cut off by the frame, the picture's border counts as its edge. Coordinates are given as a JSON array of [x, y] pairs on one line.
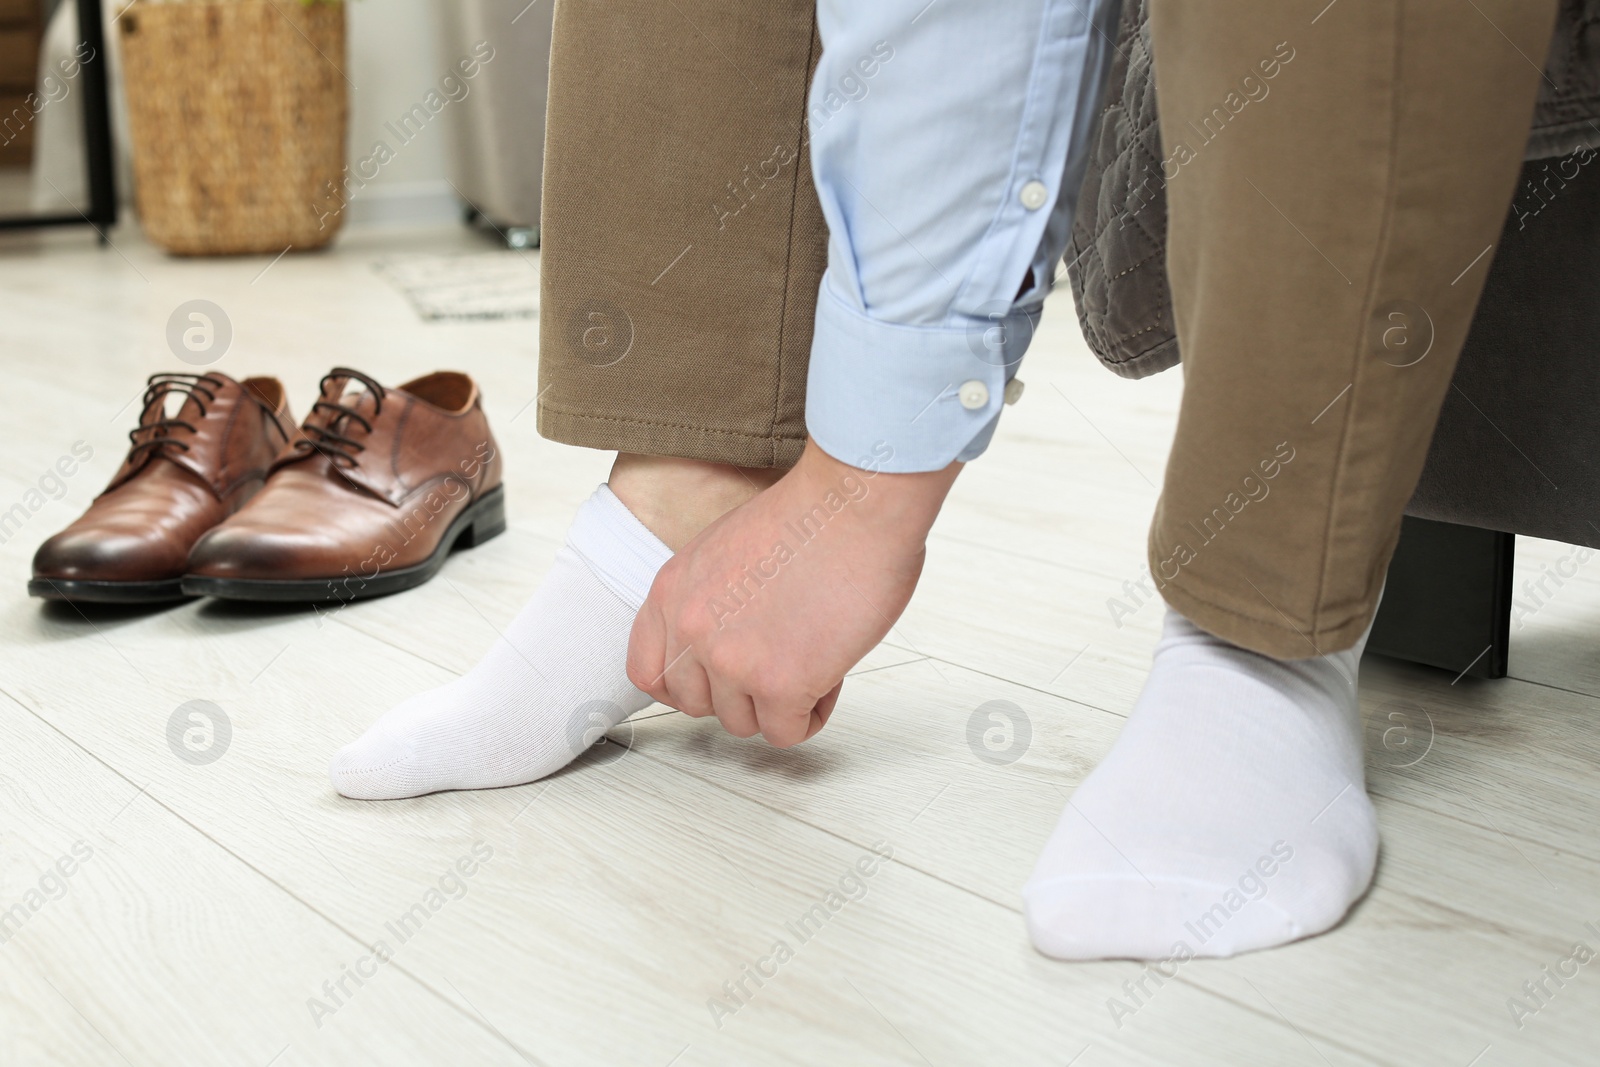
[[934, 171]]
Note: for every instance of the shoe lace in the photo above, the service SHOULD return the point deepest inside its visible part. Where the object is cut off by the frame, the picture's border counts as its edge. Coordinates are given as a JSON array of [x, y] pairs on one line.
[[326, 439], [161, 428]]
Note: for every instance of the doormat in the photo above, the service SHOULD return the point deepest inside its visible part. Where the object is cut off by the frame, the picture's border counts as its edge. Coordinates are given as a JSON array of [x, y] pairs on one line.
[[473, 285]]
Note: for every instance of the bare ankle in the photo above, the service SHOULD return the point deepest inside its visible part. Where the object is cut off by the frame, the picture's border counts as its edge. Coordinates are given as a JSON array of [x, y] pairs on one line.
[[677, 498]]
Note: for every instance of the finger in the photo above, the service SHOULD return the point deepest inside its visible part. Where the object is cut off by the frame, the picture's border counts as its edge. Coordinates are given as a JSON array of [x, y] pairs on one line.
[[823, 711], [735, 709], [647, 652], [784, 724], [688, 689]]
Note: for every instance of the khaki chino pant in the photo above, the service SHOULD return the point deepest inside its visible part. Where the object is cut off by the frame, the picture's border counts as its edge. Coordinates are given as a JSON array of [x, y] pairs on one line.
[[1336, 176]]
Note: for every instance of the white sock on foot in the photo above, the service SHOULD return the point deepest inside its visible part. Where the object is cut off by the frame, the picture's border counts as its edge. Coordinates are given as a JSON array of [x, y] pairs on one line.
[[1230, 815], [545, 692]]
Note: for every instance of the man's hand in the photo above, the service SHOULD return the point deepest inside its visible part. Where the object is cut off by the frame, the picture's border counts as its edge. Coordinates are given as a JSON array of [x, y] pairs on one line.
[[759, 617]]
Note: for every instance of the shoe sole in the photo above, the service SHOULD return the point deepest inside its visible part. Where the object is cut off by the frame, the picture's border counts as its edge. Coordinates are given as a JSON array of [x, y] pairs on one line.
[[483, 518], [88, 591]]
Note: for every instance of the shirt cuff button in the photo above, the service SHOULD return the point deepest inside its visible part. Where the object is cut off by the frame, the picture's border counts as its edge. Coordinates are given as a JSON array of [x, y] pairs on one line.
[[974, 395]]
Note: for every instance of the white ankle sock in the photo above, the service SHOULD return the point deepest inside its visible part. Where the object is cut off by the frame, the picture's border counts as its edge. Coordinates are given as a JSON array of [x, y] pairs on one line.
[[1230, 815], [544, 693]]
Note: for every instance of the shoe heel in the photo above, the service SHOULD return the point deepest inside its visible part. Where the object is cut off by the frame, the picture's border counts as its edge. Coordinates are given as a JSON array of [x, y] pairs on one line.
[[488, 519]]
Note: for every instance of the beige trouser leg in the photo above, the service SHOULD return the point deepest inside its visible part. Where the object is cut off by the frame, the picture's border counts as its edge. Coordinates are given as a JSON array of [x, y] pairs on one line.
[[1329, 230], [682, 238]]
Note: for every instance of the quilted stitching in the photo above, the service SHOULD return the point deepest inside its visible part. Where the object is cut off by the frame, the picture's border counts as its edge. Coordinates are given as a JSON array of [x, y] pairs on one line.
[[1116, 258]]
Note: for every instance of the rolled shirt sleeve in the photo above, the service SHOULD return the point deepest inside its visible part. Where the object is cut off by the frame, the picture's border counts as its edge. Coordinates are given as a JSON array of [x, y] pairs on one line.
[[948, 142]]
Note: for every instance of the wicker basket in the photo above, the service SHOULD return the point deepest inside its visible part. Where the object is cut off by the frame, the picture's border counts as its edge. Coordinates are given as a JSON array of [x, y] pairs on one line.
[[237, 112]]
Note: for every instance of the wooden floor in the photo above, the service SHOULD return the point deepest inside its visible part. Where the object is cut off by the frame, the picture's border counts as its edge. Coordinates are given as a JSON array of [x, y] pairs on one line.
[[230, 912]]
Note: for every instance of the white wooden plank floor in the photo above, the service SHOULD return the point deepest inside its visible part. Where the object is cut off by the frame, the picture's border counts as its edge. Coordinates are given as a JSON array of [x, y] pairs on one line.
[[227, 913]]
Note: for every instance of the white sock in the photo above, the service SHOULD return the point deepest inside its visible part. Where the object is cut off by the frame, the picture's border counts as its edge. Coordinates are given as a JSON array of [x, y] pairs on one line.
[[1230, 815], [543, 694]]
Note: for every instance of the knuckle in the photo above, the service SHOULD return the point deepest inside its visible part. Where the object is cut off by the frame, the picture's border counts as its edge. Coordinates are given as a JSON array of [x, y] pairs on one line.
[[774, 686], [725, 661], [695, 629]]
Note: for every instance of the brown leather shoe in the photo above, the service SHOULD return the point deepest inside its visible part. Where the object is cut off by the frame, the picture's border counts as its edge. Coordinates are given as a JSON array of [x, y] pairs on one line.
[[183, 475], [369, 501]]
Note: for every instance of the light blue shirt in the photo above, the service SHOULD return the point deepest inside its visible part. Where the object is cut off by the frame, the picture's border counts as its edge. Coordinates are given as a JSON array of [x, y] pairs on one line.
[[948, 143]]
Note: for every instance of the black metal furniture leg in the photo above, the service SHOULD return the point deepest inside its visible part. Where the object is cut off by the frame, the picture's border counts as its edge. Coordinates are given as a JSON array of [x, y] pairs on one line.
[[99, 160], [1448, 599]]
